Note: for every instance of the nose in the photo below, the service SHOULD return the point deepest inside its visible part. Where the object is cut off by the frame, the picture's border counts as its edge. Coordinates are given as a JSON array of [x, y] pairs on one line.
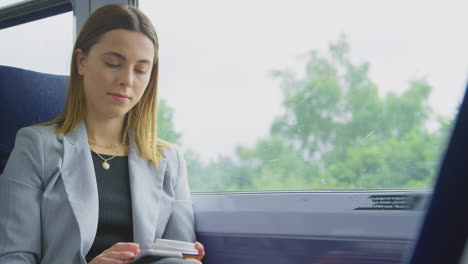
[[127, 78]]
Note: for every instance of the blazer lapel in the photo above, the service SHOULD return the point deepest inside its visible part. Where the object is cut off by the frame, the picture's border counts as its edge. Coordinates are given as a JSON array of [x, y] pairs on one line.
[[146, 182], [80, 184]]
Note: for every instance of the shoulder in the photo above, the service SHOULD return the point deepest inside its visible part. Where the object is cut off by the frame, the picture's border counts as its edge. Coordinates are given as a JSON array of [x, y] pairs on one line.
[[43, 135], [174, 157], [35, 148], [44, 132], [171, 152]]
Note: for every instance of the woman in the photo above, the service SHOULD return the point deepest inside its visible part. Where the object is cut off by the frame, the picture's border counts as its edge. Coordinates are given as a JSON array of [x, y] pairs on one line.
[[96, 185]]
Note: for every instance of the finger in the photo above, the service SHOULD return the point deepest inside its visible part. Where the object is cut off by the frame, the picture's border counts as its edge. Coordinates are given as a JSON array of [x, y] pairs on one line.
[[124, 246], [199, 246], [187, 256], [104, 260], [201, 250], [119, 255]]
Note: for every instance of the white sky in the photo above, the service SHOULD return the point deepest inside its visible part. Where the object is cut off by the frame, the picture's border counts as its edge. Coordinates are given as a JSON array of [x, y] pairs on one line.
[[216, 55]]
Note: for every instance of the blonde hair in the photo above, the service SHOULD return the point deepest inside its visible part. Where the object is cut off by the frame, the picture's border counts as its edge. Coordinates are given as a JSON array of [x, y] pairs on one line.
[[141, 120]]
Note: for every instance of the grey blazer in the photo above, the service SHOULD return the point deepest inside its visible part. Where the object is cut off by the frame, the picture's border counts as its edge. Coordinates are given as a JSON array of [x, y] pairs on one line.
[[49, 198]]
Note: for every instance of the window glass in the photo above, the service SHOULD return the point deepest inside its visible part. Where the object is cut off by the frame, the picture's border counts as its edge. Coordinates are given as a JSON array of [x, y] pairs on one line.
[[43, 45], [294, 95], [6, 3]]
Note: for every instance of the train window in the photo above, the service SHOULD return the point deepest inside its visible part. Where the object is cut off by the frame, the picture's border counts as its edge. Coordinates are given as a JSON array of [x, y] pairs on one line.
[[302, 95], [6, 3], [43, 45]]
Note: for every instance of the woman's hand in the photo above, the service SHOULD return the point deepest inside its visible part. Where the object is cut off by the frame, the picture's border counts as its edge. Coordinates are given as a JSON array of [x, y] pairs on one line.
[[196, 258], [118, 253]]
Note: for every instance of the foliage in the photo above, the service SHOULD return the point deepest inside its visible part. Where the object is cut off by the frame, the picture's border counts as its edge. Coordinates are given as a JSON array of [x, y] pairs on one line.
[[166, 130], [336, 131]]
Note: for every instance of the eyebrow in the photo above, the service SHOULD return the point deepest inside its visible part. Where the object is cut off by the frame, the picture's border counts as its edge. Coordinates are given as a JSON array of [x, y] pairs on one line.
[[116, 54]]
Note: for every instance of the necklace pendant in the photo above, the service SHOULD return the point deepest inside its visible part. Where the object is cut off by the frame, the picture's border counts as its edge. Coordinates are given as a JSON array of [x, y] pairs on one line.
[[105, 165]]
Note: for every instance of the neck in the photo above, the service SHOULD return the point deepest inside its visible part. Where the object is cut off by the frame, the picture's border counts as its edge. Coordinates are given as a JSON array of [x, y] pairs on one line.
[[105, 131]]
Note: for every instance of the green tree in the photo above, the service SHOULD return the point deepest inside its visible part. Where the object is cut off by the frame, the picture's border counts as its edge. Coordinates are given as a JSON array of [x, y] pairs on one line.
[[166, 130], [338, 132]]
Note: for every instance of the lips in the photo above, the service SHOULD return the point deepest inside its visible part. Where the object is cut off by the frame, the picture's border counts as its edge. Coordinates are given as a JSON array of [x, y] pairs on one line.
[[120, 97]]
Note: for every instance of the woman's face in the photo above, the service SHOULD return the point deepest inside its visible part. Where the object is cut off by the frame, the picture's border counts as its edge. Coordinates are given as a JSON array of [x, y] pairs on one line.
[[116, 72]]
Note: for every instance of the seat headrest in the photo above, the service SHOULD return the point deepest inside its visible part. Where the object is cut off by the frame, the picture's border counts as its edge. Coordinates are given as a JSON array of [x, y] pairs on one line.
[[27, 98]]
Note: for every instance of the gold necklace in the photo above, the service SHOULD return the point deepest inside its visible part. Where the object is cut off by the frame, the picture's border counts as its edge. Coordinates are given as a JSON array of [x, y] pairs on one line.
[[105, 164], [107, 145]]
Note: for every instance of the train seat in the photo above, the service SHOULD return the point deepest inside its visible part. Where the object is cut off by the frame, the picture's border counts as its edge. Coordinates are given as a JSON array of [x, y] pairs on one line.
[[26, 98]]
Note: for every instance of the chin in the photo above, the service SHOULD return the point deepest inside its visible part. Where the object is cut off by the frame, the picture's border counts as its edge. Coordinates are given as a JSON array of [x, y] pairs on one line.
[[116, 114]]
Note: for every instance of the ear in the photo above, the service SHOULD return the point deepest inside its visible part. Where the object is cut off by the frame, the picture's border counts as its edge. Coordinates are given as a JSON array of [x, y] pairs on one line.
[[81, 60]]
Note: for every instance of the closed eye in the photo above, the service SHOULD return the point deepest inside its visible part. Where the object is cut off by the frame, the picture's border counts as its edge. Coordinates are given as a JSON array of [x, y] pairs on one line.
[[112, 65], [140, 71]]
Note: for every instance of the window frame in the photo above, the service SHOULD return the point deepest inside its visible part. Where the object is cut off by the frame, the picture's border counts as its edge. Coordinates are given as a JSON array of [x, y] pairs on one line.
[[23, 12]]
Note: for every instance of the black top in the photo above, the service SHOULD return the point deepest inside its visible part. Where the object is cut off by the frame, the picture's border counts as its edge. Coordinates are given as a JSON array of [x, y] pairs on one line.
[[115, 208]]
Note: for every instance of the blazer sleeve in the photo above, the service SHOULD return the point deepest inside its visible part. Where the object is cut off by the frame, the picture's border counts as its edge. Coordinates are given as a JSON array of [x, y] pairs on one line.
[[21, 190], [181, 222]]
